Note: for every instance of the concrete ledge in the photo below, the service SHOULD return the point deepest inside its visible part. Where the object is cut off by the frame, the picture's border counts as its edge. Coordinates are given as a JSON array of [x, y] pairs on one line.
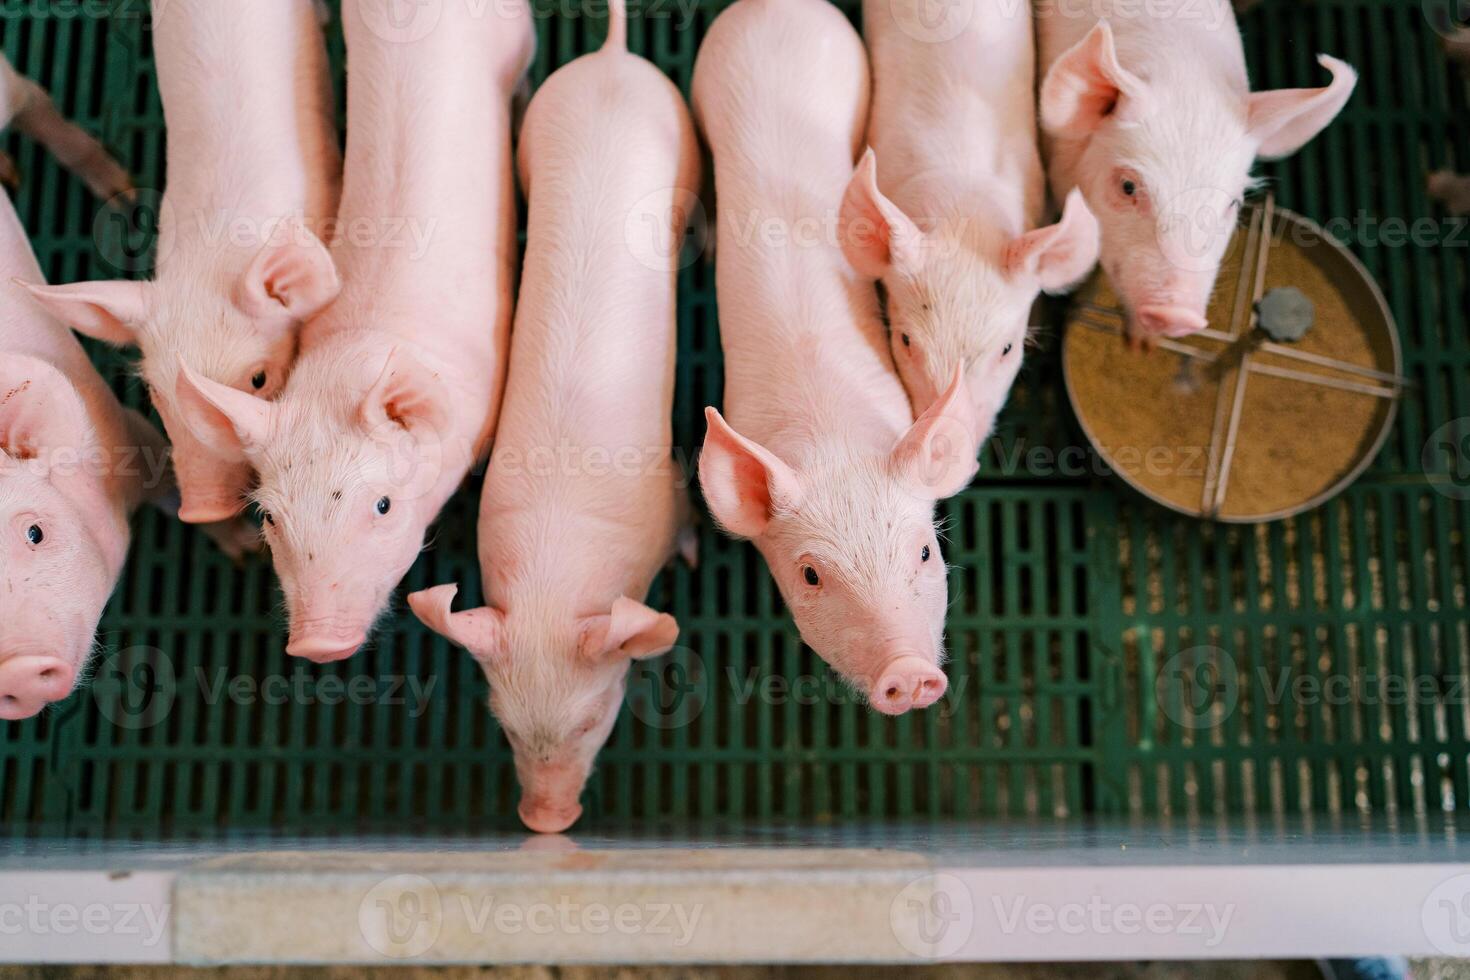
[[666, 906], [900, 894]]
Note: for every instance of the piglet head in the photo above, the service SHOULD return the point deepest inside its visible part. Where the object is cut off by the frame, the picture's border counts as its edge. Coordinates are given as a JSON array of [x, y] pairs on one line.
[[62, 540], [347, 484], [1164, 162], [959, 294], [850, 540], [556, 685], [237, 329]]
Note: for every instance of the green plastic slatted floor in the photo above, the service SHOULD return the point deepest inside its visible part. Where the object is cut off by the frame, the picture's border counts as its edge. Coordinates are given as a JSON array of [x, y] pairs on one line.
[[1079, 611]]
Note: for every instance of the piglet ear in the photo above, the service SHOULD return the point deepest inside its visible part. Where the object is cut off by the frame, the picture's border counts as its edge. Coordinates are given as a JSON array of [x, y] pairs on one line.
[[1285, 120], [40, 410], [108, 311], [743, 483], [877, 237], [230, 422], [480, 631], [936, 457], [292, 276], [631, 631], [1087, 85], [1060, 254], [406, 394]]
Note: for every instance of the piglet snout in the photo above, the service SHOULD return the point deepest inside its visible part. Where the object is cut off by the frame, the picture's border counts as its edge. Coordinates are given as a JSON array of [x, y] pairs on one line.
[[28, 684], [907, 683], [210, 489], [547, 817], [323, 648], [1168, 321]]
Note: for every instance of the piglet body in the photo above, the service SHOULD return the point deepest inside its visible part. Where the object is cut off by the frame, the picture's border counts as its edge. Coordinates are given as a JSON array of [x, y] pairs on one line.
[[818, 461], [253, 177], [1148, 112], [29, 108], [582, 505], [74, 465], [946, 206], [398, 385]]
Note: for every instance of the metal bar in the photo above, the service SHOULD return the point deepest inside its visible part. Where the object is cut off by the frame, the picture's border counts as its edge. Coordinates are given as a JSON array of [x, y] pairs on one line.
[[1118, 315], [1163, 343], [1268, 217], [1285, 350], [1323, 380]]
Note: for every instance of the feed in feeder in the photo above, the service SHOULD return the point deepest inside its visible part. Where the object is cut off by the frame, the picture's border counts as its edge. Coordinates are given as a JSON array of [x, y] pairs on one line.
[[1274, 408]]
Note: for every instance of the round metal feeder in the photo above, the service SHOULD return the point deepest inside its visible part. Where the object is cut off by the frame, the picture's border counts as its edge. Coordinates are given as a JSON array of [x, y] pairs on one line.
[[1231, 423]]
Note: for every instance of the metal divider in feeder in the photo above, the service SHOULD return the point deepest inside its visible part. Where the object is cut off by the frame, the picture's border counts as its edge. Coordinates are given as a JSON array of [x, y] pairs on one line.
[[1267, 417]]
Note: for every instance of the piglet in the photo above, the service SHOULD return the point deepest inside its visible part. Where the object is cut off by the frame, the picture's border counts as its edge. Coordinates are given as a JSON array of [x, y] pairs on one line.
[[945, 207], [820, 462], [1149, 114], [1449, 188], [29, 108], [253, 175], [74, 465], [610, 164], [1452, 190], [398, 385]]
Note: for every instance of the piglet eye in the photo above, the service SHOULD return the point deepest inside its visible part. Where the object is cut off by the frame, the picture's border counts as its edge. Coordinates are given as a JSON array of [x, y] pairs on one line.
[[35, 535], [924, 555], [384, 505], [258, 382], [1007, 350], [268, 518], [905, 338], [810, 574], [1130, 188]]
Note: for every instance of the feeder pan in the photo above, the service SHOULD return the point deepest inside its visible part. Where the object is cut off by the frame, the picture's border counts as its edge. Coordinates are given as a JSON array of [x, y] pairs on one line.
[[1275, 408]]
